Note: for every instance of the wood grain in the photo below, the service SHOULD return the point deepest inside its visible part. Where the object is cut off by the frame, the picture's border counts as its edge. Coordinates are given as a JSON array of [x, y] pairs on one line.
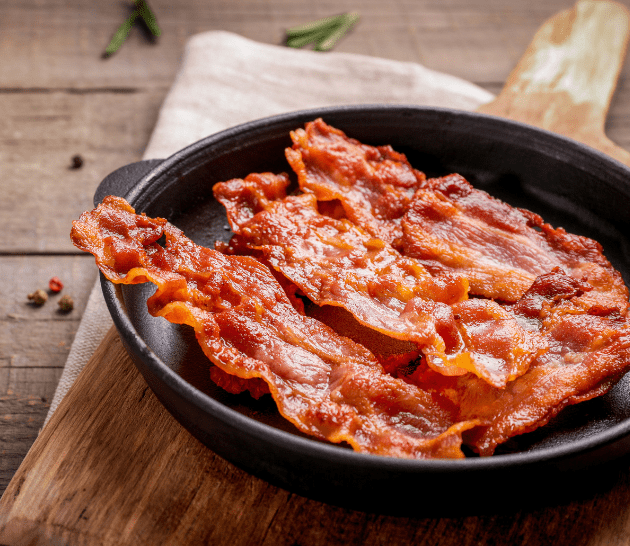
[[39, 134], [34, 345], [478, 40], [158, 485], [565, 80]]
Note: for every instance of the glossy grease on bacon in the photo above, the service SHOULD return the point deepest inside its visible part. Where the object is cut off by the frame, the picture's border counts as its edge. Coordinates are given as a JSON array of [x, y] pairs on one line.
[[334, 262], [325, 384], [446, 223], [396, 255]]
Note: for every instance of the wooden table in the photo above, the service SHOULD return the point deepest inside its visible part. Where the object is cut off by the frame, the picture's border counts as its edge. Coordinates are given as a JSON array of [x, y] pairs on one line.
[[59, 98]]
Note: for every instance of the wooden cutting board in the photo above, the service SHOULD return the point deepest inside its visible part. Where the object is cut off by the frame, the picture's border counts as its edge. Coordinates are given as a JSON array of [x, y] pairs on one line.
[[113, 467]]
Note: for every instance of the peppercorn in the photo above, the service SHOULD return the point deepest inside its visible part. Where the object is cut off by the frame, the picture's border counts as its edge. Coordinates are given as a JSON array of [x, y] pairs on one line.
[[77, 162], [66, 303], [39, 297], [55, 284]]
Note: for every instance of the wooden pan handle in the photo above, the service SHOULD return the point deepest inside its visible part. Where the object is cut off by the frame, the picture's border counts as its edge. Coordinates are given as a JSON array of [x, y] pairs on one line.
[[565, 80]]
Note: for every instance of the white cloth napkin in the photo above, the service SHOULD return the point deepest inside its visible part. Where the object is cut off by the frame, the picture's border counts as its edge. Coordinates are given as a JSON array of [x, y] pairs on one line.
[[226, 79]]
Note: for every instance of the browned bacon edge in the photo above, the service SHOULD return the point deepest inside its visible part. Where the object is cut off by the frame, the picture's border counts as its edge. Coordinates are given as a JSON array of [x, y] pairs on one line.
[[336, 263], [326, 385]]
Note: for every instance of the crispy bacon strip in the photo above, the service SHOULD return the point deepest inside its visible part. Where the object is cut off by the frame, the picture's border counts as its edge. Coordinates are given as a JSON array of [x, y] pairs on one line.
[[325, 384], [333, 262], [374, 184], [447, 224], [588, 351], [452, 227], [553, 382]]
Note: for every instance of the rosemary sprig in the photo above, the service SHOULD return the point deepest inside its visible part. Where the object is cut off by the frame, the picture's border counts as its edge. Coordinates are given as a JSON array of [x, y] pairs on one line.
[[313, 26], [333, 37], [147, 16], [324, 33], [120, 35], [307, 38], [141, 10]]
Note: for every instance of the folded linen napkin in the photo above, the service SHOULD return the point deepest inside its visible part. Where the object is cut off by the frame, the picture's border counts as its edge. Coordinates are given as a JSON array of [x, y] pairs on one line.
[[226, 79]]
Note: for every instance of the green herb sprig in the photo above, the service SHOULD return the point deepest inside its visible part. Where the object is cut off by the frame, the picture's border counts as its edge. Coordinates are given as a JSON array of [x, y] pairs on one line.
[[141, 10], [324, 33]]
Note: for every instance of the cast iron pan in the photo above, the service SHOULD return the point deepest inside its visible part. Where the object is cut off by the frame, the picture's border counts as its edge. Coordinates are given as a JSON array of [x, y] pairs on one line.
[[567, 183]]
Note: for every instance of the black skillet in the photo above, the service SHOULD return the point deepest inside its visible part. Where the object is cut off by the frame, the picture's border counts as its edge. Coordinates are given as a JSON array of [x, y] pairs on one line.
[[569, 184]]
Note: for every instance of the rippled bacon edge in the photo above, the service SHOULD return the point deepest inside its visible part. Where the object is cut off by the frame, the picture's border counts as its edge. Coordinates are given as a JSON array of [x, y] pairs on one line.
[[445, 223], [334, 262], [585, 325], [325, 384], [511, 255]]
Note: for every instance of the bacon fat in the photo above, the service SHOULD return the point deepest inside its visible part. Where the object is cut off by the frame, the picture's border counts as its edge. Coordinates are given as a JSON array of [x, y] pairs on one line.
[[325, 384], [498, 321], [334, 262]]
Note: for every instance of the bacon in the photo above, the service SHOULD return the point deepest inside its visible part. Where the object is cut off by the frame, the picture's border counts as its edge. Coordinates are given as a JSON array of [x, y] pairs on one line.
[[237, 385], [445, 223], [452, 227], [396, 356], [374, 184], [587, 354], [553, 382], [333, 262], [546, 326], [507, 254], [326, 385]]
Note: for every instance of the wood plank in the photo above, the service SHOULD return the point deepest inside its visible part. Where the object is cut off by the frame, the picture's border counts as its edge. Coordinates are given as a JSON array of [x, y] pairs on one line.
[[40, 132], [59, 44], [561, 84], [35, 339], [40, 49], [34, 346], [617, 125], [21, 418]]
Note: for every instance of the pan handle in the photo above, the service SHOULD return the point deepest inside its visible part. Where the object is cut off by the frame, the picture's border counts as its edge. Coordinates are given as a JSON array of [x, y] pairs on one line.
[[122, 180]]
